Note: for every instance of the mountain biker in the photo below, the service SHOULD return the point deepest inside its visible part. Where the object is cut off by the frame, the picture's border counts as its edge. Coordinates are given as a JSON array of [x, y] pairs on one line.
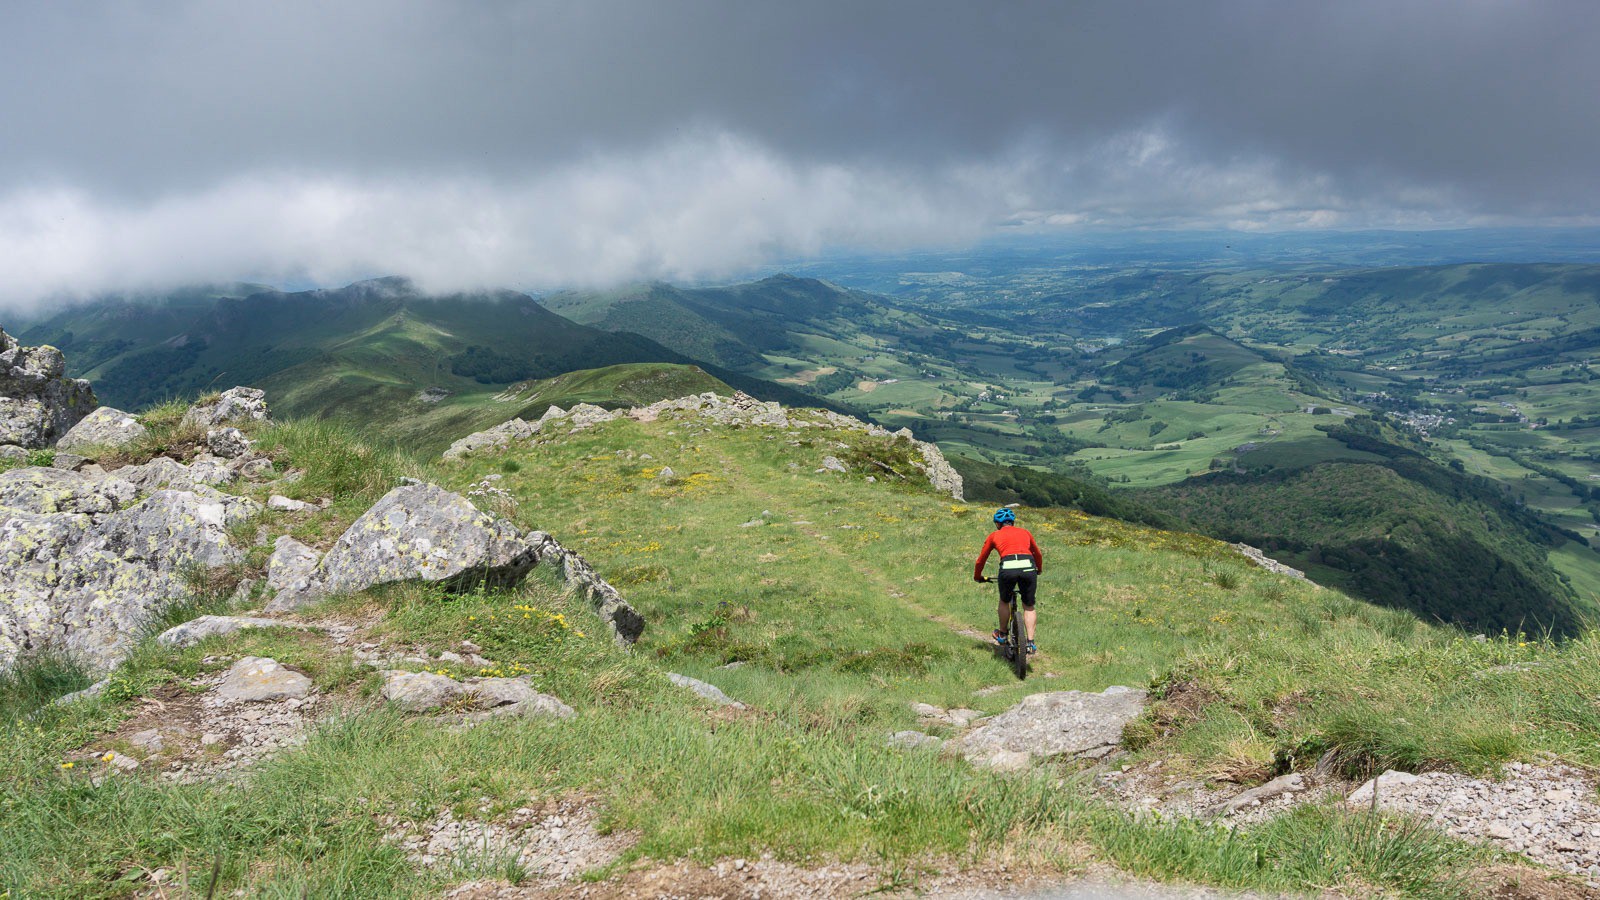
[[1021, 564]]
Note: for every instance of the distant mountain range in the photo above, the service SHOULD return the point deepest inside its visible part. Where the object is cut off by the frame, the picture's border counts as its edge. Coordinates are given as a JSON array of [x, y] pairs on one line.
[[377, 352]]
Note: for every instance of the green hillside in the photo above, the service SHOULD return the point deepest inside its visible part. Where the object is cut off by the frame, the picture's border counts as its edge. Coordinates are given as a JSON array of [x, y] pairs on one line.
[[844, 597], [733, 326]]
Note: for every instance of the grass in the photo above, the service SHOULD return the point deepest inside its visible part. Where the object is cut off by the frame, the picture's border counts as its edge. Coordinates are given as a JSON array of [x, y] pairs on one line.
[[848, 600]]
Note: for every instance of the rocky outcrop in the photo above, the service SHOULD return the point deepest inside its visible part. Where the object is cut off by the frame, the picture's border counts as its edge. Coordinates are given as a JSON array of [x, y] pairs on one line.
[[1267, 562], [739, 411], [239, 404], [86, 567], [105, 428], [494, 438], [1061, 723], [1547, 812], [422, 532], [47, 491], [625, 623], [38, 403], [162, 472]]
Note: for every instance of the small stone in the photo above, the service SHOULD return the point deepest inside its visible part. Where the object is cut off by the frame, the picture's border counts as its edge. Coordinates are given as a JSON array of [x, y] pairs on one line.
[[912, 740], [120, 762], [71, 462], [256, 468], [277, 501], [148, 740], [258, 679], [420, 691], [708, 691]]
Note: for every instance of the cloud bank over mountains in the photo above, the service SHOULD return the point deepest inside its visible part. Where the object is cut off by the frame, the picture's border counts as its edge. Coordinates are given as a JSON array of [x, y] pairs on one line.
[[554, 143]]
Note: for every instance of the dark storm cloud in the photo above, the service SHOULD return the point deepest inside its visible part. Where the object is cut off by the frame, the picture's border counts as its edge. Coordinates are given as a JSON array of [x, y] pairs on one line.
[[477, 126]]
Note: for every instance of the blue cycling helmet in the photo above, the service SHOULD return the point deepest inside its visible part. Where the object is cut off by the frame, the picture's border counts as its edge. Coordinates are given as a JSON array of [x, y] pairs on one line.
[[1004, 517]]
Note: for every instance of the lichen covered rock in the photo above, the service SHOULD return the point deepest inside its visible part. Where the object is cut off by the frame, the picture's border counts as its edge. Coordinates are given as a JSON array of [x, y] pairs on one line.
[[39, 490], [292, 574], [228, 443], [106, 428], [38, 403], [84, 572], [198, 629], [426, 533]]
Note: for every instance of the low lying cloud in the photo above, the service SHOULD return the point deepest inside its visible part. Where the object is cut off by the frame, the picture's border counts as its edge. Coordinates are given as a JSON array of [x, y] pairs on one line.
[[708, 206], [698, 208]]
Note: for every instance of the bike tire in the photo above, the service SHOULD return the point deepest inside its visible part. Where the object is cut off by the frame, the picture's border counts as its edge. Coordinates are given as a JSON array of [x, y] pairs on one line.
[[1019, 642]]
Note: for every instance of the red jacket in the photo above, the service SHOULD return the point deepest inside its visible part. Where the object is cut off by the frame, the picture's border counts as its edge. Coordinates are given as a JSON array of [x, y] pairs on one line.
[[1009, 541]]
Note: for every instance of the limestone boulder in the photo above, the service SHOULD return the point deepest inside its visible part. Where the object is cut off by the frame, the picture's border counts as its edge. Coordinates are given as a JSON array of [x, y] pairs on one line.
[[423, 532], [105, 428]]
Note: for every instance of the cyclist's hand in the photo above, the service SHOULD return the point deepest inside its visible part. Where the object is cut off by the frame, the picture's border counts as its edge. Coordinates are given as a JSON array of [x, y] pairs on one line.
[[979, 578]]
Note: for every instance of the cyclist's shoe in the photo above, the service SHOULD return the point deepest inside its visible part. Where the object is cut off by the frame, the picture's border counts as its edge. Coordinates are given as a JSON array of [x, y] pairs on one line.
[[1032, 648], [1000, 637]]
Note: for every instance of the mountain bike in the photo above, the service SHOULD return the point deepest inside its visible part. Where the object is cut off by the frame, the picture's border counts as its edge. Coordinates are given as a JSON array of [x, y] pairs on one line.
[[1017, 639]]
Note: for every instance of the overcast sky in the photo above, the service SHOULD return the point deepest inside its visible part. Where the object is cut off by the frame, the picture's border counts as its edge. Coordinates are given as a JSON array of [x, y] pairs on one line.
[[534, 144]]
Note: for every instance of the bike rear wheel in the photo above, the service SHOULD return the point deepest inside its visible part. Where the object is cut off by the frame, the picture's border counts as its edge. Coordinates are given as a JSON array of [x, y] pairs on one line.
[[1019, 642]]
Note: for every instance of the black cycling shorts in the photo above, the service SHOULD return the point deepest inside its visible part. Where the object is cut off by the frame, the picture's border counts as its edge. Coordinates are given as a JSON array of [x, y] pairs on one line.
[[1013, 582]]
